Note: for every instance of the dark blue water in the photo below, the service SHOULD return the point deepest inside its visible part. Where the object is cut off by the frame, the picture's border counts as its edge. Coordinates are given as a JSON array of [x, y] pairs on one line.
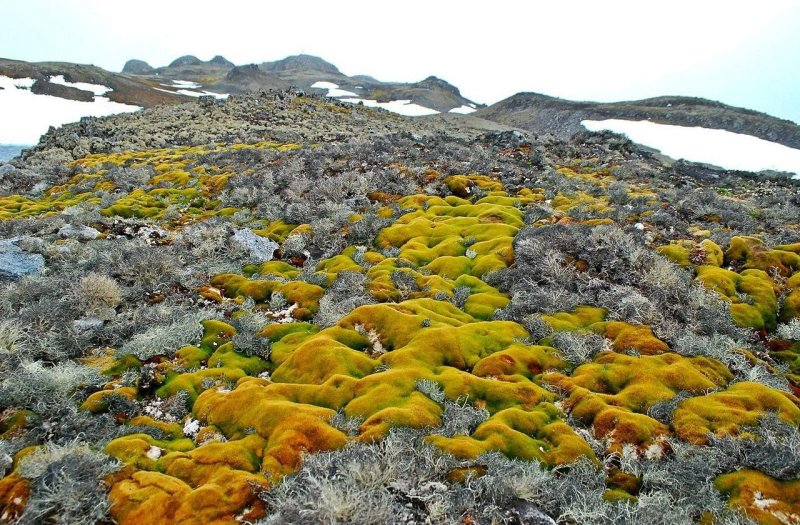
[[9, 151]]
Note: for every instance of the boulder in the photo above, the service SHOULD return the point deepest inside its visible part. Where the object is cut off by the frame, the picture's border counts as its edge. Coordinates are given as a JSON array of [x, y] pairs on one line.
[[43, 87], [259, 248], [16, 263], [81, 233]]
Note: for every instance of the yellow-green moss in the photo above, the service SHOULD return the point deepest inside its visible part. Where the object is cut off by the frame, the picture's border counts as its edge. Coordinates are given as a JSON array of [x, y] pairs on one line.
[[727, 411]]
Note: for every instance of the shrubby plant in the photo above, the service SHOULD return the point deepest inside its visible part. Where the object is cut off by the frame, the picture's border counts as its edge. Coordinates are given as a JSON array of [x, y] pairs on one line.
[[347, 293], [790, 330], [97, 295], [184, 329], [577, 347], [247, 339], [66, 484]]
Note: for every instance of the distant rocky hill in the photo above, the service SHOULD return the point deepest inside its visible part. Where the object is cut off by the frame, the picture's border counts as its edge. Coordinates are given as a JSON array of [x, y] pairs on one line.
[[124, 89], [220, 75], [545, 114], [86, 90]]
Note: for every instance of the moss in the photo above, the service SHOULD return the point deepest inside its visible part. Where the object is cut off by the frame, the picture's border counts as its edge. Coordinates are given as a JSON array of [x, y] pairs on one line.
[[98, 401], [434, 238], [614, 392], [226, 357], [14, 494], [727, 411], [122, 364], [193, 383], [519, 360], [626, 336], [581, 318], [759, 307], [525, 434], [306, 296], [288, 428], [688, 253], [752, 253], [790, 307], [764, 499]]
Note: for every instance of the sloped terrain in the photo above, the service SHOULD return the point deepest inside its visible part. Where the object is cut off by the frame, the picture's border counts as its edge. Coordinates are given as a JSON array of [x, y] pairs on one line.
[[562, 118], [285, 309]]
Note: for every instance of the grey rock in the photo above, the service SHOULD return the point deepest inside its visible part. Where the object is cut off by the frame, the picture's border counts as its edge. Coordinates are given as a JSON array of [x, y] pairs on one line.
[[5, 169], [260, 248], [81, 233], [16, 263]]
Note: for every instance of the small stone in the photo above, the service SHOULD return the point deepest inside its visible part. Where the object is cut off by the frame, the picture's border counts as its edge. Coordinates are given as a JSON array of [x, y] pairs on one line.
[[16, 263], [260, 248], [81, 233]]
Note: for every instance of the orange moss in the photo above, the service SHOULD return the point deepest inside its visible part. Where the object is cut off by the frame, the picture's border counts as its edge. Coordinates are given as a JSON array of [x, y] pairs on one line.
[[625, 336], [767, 500], [614, 392], [14, 493]]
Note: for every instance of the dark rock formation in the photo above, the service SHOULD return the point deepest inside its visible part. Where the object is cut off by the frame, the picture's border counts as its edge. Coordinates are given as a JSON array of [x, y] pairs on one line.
[[137, 67]]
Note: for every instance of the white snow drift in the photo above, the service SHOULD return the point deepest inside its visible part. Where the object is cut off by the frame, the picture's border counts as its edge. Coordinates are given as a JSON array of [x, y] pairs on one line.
[[97, 89], [25, 116], [403, 107], [464, 110], [189, 89], [721, 148], [333, 89]]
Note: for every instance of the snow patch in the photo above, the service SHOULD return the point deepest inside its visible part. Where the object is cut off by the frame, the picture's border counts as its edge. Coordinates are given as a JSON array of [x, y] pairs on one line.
[[333, 89], [26, 116], [97, 89], [403, 107], [153, 453], [22, 83], [464, 110], [201, 93], [184, 84], [194, 93], [734, 151]]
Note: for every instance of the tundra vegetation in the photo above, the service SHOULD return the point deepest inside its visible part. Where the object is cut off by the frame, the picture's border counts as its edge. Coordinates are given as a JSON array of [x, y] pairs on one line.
[[447, 325]]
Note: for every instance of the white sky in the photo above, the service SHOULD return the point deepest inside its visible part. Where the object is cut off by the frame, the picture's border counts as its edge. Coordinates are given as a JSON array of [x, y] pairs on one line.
[[742, 53]]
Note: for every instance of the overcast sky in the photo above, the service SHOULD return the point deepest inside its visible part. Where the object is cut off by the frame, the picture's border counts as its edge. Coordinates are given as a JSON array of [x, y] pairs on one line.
[[741, 53]]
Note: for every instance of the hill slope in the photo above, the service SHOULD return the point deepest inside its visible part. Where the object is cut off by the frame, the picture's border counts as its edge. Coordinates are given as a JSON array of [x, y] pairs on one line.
[[544, 114], [280, 308]]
